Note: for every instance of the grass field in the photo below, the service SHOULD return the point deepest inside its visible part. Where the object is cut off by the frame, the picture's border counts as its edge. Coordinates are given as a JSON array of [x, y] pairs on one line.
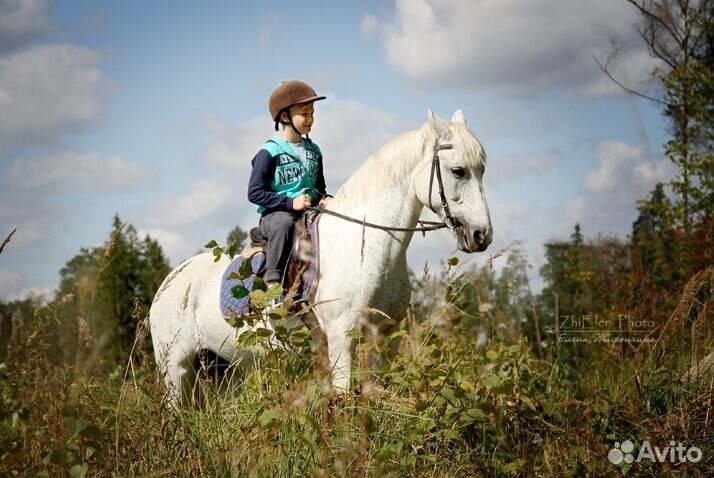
[[444, 406]]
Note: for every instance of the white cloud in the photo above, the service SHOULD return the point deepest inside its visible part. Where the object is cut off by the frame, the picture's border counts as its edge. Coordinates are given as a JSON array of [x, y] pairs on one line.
[[21, 21], [615, 166], [11, 284], [175, 246], [50, 90], [626, 170], [77, 171], [515, 166], [370, 25], [518, 47], [235, 144], [31, 214], [205, 198], [624, 174]]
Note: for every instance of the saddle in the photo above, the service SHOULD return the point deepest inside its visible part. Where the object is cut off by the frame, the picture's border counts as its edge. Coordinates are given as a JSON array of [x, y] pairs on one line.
[[301, 270]]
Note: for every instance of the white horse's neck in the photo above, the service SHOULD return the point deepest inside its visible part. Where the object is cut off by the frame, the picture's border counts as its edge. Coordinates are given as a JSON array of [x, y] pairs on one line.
[[382, 191]]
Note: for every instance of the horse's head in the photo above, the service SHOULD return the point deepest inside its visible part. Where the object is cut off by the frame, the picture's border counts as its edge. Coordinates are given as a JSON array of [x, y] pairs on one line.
[[457, 170]]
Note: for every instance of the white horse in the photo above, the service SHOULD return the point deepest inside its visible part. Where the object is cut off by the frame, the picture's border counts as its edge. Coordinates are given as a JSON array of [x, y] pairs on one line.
[[362, 268]]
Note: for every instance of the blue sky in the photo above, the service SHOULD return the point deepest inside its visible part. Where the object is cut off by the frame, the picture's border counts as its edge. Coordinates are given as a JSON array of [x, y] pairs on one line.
[[153, 110]]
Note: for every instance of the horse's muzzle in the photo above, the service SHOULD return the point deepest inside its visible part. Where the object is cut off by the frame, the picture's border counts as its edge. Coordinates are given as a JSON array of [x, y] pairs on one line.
[[478, 241], [481, 240]]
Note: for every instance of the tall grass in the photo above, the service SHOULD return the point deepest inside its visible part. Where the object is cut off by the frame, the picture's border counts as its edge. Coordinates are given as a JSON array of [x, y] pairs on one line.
[[440, 407]]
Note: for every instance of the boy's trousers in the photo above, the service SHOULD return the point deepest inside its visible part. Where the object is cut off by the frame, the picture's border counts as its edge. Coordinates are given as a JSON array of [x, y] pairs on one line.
[[278, 227]]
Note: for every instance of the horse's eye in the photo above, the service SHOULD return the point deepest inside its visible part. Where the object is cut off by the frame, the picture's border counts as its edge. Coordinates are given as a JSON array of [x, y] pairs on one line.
[[458, 172]]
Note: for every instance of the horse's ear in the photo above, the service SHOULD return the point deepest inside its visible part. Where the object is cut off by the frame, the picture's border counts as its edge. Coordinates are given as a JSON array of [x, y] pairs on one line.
[[458, 117], [437, 124]]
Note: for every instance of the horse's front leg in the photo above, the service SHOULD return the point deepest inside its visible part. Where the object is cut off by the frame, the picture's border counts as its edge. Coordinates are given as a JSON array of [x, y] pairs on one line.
[[339, 350]]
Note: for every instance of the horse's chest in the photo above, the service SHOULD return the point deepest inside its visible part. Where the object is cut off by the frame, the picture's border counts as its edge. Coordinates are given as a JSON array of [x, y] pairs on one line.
[[389, 293]]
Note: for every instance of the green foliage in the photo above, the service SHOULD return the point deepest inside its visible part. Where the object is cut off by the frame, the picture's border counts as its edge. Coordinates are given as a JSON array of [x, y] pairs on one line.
[[680, 35], [112, 287], [235, 242], [428, 400]]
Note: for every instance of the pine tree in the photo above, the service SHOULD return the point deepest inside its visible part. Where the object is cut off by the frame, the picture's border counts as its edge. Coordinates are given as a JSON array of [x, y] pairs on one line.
[[113, 286]]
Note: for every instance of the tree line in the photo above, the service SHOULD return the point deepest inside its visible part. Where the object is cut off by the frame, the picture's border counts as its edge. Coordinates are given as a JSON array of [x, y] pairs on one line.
[[669, 251]]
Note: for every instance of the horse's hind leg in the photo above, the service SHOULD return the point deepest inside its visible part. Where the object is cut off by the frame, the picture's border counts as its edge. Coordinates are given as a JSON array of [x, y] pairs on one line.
[[176, 364], [181, 379]]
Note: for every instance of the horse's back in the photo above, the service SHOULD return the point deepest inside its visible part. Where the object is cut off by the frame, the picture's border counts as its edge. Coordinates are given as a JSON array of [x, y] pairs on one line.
[[188, 310], [172, 314]]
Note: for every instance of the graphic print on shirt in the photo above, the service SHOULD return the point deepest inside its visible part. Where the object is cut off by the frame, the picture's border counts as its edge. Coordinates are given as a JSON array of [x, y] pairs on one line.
[[290, 170]]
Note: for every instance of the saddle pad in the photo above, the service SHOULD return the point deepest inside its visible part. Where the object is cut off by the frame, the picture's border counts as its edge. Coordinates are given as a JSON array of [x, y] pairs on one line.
[[230, 306], [309, 278]]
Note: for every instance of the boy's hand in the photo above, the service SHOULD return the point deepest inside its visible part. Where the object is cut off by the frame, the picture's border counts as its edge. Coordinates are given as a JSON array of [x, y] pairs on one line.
[[302, 202], [324, 200]]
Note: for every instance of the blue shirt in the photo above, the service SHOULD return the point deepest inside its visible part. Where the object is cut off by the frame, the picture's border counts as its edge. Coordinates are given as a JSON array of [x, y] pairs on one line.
[[279, 175]]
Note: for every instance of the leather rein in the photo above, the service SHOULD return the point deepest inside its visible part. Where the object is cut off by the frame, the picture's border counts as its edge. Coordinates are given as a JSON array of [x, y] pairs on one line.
[[449, 221]]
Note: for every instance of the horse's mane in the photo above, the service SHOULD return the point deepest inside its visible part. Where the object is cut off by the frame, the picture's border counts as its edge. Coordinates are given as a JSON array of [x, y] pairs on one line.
[[396, 160]]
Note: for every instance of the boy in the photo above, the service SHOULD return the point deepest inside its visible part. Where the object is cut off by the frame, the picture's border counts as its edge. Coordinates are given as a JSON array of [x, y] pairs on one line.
[[287, 175]]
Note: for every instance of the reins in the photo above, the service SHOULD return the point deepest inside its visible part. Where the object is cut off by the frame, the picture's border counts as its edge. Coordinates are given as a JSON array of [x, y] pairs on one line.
[[425, 226]]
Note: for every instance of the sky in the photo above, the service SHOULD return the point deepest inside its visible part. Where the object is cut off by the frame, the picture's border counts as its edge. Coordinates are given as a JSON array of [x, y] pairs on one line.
[[153, 111]]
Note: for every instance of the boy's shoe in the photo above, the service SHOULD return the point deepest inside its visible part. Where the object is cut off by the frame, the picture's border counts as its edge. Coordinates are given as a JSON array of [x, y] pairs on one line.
[[275, 303]]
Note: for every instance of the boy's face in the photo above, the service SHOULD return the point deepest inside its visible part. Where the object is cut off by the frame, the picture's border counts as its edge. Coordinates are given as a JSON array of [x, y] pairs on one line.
[[303, 117]]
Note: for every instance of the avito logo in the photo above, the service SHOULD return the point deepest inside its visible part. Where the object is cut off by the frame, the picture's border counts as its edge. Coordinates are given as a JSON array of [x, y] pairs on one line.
[[674, 453]]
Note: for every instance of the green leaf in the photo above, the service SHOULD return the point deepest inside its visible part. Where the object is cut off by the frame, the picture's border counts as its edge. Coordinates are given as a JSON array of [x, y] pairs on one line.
[[269, 416], [354, 334], [217, 254], [278, 313], [448, 393], [274, 291], [490, 381], [398, 333], [237, 322], [514, 466], [92, 432], [492, 355], [259, 284], [421, 405], [263, 332], [467, 386], [239, 292], [475, 414], [79, 471], [274, 356], [258, 299], [245, 269], [75, 425], [211, 244], [248, 339]]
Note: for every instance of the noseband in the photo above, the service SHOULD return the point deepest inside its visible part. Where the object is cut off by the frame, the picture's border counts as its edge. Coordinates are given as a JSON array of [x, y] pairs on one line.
[[449, 222]]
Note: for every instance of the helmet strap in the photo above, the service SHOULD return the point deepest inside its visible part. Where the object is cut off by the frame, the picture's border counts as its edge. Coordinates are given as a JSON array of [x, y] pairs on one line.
[[289, 122]]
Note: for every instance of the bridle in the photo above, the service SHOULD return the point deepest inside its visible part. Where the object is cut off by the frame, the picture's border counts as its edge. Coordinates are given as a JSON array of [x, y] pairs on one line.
[[449, 221]]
